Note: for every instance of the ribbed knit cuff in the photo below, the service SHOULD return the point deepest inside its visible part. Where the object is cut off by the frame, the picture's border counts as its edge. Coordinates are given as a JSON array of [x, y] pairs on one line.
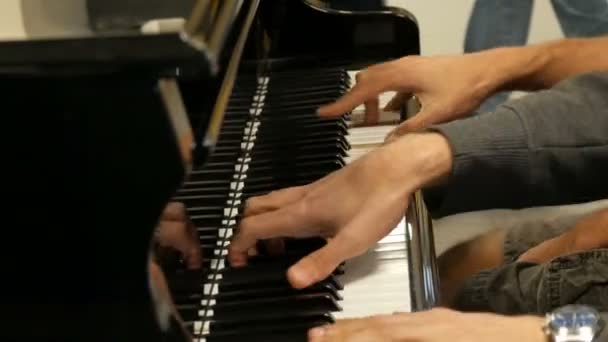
[[490, 154]]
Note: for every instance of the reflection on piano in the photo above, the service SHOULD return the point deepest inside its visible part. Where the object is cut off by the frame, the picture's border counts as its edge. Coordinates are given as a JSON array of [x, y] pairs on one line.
[[209, 115]]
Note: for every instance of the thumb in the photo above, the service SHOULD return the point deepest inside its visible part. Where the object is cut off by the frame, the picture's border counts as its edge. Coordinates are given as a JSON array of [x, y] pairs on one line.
[[318, 265], [415, 123], [548, 250]]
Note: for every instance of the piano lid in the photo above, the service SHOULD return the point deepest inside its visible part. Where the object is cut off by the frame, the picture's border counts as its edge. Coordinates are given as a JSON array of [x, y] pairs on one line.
[[197, 43], [353, 34]]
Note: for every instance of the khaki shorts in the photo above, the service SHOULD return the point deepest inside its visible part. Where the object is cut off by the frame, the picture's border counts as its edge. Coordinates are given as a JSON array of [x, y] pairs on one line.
[[521, 288]]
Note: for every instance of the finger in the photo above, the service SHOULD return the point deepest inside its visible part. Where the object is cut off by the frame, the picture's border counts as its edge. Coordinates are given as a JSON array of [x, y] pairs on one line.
[[319, 264], [274, 200], [287, 221], [274, 246], [356, 96], [368, 87], [548, 250], [396, 102], [372, 112], [174, 211], [175, 234], [359, 329], [350, 241], [412, 124], [194, 257]]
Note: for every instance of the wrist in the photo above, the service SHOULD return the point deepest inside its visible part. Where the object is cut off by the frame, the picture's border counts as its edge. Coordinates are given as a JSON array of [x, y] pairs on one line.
[[518, 68], [426, 158], [534, 328]]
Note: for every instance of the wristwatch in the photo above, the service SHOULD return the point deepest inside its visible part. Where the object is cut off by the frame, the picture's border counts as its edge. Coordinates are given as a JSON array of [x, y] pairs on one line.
[[573, 323]]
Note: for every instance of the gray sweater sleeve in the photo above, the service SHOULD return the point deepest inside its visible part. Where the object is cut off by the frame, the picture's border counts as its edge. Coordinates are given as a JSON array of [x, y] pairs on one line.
[[544, 149]]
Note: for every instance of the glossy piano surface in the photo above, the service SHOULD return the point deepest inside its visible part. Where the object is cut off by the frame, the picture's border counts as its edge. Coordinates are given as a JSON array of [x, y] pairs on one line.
[[120, 99]]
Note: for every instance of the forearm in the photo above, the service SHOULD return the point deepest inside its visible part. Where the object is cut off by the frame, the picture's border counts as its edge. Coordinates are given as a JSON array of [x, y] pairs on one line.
[[545, 149], [542, 66], [592, 231]]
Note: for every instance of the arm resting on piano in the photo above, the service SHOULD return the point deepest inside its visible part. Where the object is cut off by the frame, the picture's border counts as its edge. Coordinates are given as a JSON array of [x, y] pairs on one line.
[[549, 148], [436, 325], [452, 87], [544, 65]]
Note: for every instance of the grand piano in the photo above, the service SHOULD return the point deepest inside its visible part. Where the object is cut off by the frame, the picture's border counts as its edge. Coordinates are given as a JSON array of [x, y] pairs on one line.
[[202, 102]]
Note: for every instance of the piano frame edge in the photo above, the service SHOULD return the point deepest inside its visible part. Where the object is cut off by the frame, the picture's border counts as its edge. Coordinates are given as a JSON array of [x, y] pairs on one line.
[[423, 271]]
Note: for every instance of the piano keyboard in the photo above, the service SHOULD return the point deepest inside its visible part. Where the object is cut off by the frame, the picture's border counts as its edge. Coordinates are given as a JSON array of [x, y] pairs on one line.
[[272, 139]]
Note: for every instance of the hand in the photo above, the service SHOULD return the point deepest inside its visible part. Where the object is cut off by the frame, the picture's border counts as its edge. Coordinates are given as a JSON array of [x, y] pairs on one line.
[[448, 88], [437, 325], [589, 233], [176, 232], [353, 207]]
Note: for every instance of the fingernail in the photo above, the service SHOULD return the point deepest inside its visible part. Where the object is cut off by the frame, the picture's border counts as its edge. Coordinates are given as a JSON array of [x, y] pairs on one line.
[[316, 332], [236, 260], [300, 278]]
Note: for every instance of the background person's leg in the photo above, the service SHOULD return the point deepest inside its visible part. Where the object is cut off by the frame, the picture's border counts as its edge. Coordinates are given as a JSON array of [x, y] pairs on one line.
[[582, 18], [495, 23], [459, 265]]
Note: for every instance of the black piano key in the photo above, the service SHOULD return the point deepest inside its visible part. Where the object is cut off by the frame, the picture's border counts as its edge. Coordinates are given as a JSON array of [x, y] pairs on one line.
[[282, 323], [210, 199], [308, 142], [340, 87], [270, 308], [336, 126], [291, 120], [292, 146], [294, 138], [286, 159], [300, 335], [299, 324], [299, 151], [285, 171], [195, 298]]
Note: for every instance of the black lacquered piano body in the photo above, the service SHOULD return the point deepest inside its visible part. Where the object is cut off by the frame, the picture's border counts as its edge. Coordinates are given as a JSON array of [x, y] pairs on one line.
[[118, 155]]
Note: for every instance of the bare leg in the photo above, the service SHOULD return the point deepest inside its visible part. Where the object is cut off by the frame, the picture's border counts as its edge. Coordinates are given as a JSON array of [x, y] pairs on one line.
[[466, 259]]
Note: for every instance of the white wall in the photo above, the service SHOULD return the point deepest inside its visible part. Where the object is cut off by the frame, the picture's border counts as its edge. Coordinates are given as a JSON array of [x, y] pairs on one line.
[[442, 22], [11, 23], [42, 18]]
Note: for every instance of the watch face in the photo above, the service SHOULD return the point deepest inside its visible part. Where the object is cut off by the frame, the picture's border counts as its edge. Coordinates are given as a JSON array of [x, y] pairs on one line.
[[574, 316]]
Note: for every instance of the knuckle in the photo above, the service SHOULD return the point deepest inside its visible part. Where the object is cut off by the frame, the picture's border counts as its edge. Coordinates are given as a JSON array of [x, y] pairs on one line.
[[378, 322], [442, 312], [176, 207], [245, 225], [302, 209], [361, 76]]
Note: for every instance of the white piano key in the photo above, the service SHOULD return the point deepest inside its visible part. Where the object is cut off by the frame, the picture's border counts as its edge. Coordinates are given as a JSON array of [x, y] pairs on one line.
[[209, 289], [208, 302], [205, 313], [236, 186], [247, 146], [255, 111], [252, 124], [225, 232], [230, 212], [392, 238], [389, 247], [259, 98], [222, 243], [217, 264], [220, 252], [201, 328]]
